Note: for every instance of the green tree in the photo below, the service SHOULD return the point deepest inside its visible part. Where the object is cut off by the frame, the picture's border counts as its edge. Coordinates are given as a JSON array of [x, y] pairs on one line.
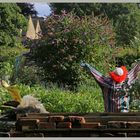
[[27, 9], [11, 21], [65, 44], [112, 10], [80, 9], [125, 17]]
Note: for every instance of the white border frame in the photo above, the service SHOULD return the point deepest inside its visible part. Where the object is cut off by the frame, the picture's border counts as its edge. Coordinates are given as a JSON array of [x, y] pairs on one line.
[[70, 1]]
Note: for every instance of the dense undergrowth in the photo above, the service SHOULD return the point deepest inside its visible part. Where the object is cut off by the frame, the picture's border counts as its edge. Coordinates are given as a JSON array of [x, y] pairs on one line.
[[61, 63]]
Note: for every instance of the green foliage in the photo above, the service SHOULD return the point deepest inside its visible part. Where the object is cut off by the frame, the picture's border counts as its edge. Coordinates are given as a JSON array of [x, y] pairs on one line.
[[80, 9], [87, 99], [126, 27], [7, 60], [65, 44], [67, 41], [27, 9], [11, 21], [58, 100], [112, 10], [4, 95], [127, 56], [28, 75], [135, 96], [125, 17]]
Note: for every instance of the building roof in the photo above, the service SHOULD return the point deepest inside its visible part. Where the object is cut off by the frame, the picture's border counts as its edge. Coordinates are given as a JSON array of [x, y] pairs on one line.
[[34, 30]]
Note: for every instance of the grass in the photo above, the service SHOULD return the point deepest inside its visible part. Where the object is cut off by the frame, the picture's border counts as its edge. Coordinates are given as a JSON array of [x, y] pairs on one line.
[[59, 100]]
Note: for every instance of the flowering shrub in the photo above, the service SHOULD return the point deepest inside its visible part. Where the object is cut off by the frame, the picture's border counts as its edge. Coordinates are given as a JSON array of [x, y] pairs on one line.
[[68, 40]]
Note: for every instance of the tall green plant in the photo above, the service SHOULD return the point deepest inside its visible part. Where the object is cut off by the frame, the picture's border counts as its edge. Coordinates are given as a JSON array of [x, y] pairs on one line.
[[11, 21], [67, 41], [7, 60]]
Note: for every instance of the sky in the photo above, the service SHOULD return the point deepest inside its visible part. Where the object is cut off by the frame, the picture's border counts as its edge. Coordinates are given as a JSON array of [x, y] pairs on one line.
[[43, 9]]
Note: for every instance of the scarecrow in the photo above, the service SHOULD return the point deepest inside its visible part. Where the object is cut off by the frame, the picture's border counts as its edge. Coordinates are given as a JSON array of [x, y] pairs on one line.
[[115, 86]]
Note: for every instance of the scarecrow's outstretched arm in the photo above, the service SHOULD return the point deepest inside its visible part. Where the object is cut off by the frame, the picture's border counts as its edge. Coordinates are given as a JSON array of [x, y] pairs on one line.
[[100, 78], [133, 73]]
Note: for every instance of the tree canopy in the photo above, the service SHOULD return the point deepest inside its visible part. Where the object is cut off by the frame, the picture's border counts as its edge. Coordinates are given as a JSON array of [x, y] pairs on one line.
[[11, 21], [27, 9], [65, 44], [124, 17]]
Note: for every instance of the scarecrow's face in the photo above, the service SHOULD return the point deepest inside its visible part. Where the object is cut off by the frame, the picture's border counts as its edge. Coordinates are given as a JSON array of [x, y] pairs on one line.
[[119, 75]]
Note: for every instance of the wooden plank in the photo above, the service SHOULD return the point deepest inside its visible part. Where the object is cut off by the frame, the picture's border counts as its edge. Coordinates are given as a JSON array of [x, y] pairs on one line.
[[58, 118], [25, 124], [94, 117], [116, 124], [112, 118], [28, 122], [4, 134], [113, 114], [41, 119], [64, 125], [20, 115], [133, 125], [46, 125], [16, 134], [33, 134], [82, 130], [88, 114], [90, 125], [97, 118], [95, 123], [76, 119]]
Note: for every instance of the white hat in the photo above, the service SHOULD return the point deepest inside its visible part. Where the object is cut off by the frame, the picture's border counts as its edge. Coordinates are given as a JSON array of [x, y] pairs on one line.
[[119, 71]]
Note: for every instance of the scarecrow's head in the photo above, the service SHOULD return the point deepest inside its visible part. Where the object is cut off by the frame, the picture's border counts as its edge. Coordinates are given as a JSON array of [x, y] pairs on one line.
[[119, 74]]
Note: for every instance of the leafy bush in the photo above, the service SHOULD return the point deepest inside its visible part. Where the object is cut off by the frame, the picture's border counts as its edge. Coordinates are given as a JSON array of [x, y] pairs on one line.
[[69, 39], [125, 16], [135, 96], [88, 99], [11, 21], [28, 75], [7, 60], [58, 100], [4, 95], [128, 55], [126, 29]]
